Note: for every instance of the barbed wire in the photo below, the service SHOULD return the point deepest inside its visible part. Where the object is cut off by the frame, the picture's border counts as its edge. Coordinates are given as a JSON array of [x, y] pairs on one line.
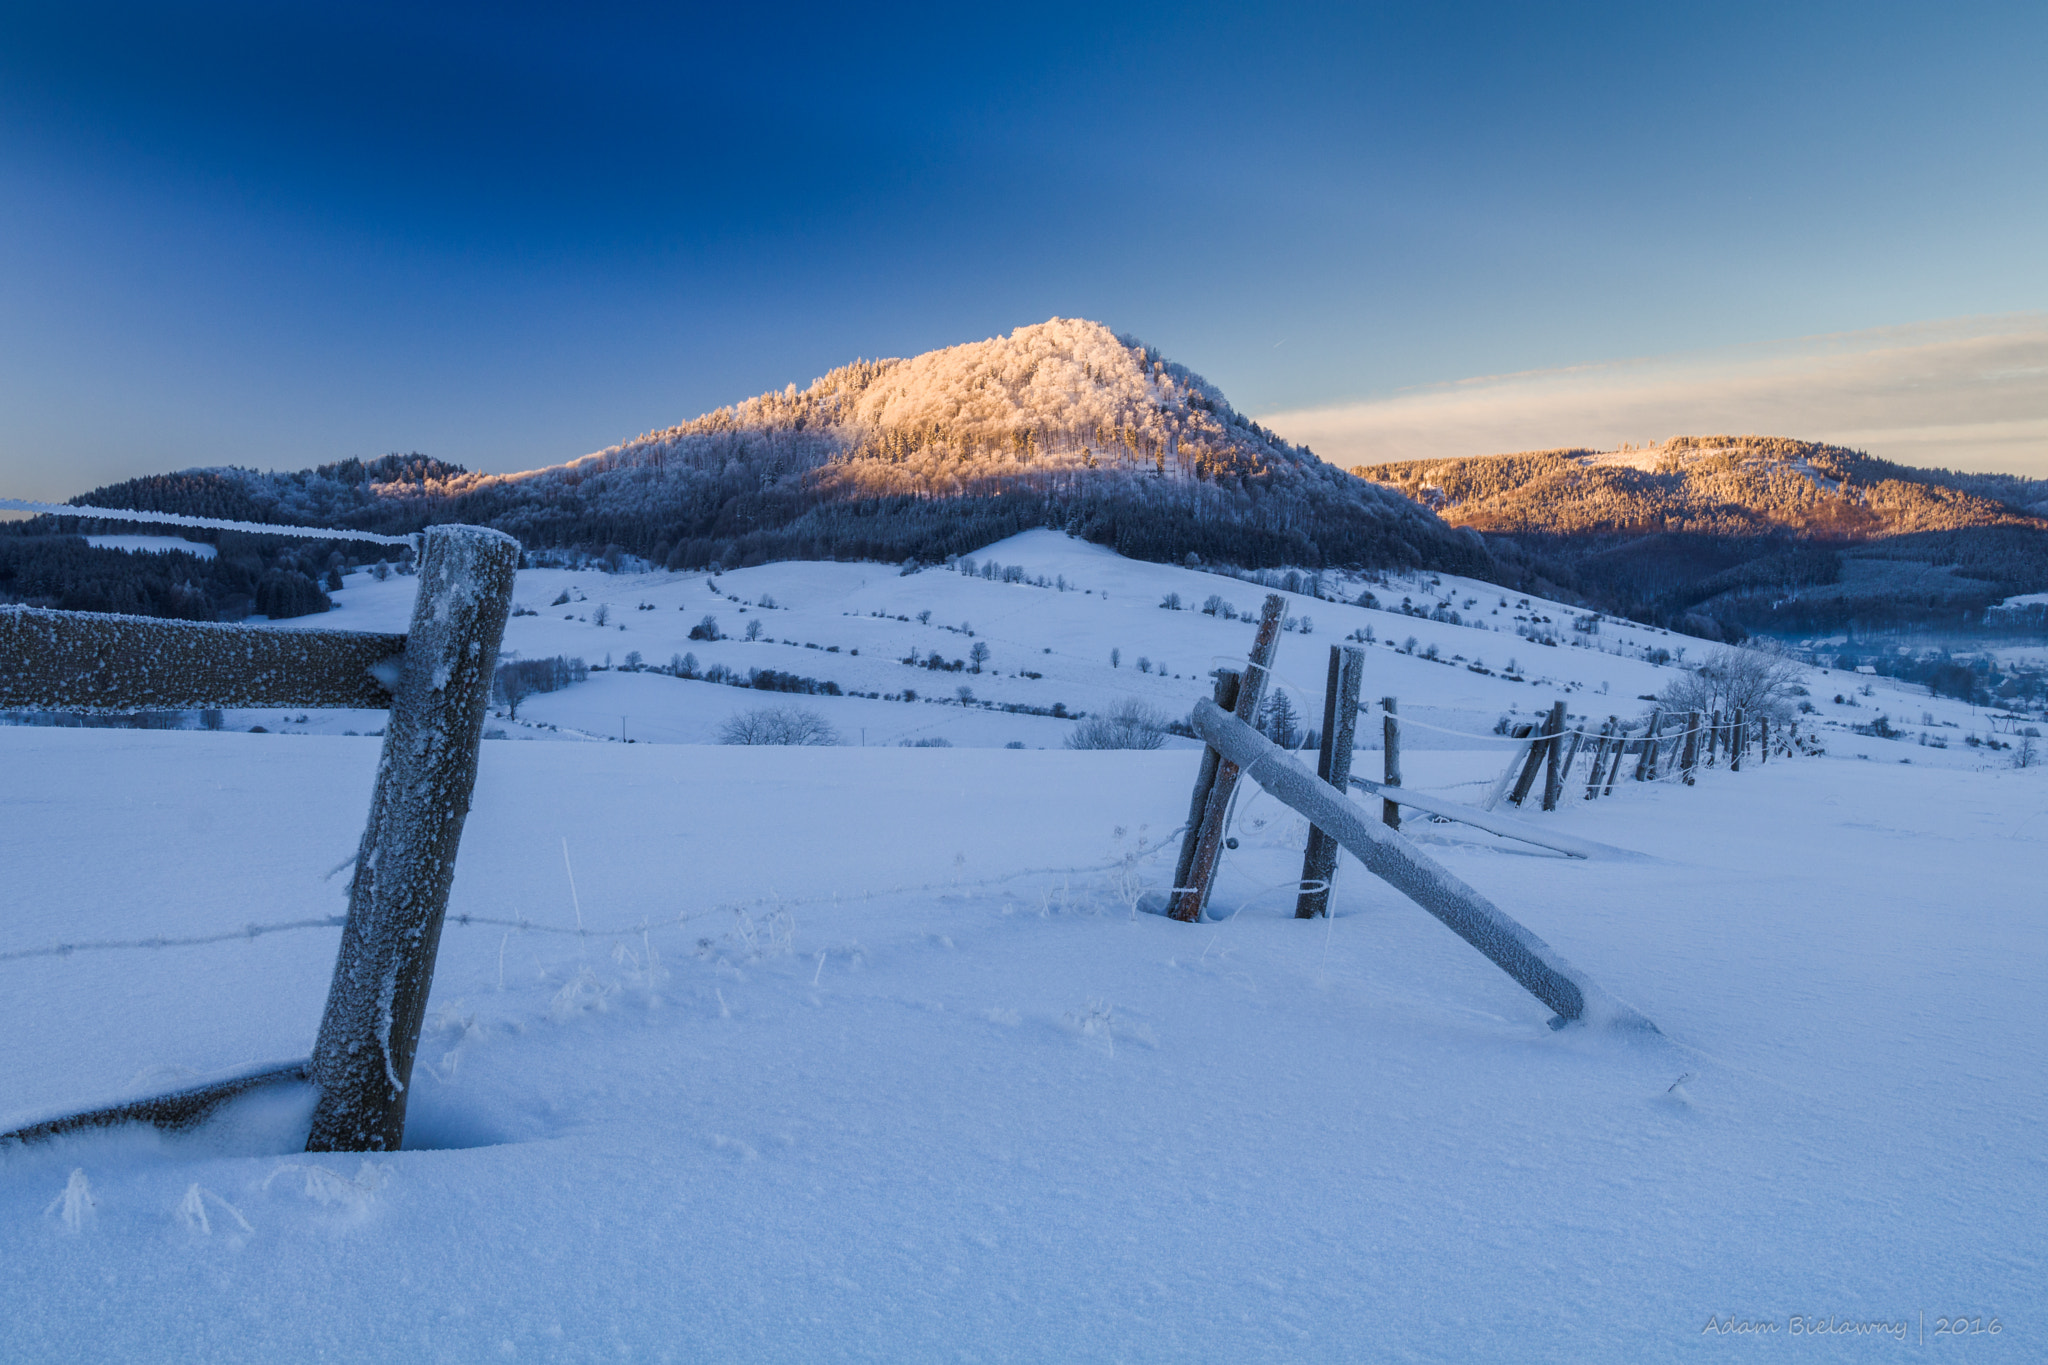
[[1140, 851]]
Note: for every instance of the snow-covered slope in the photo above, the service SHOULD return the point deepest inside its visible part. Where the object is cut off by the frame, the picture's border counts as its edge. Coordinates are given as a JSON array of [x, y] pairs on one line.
[[854, 625], [864, 1054], [872, 1083]]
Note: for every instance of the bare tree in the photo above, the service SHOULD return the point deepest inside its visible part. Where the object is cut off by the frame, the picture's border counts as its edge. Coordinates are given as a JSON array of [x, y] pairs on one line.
[[790, 725], [1757, 682], [978, 654], [1129, 724]]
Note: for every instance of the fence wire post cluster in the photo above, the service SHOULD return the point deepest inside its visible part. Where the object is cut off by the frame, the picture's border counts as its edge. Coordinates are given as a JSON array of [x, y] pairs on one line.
[[436, 682]]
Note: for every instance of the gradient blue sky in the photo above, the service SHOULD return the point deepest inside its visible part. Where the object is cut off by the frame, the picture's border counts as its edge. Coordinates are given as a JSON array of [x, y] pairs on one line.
[[282, 234]]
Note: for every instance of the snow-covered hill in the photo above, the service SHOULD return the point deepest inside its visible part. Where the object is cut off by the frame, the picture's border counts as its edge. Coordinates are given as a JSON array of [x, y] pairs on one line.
[[855, 625], [1062, 423]]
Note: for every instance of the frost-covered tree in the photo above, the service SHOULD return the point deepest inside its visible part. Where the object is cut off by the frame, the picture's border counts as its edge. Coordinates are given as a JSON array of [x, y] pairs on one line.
[[1129, 724], [783, 725]]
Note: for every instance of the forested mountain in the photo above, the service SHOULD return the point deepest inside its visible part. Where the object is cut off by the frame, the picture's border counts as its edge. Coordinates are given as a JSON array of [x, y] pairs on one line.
[[1732, 534], [1063, 424]]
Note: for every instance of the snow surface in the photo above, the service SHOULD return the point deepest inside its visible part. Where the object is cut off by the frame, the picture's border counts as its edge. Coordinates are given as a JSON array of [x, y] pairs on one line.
[[893, 1071]]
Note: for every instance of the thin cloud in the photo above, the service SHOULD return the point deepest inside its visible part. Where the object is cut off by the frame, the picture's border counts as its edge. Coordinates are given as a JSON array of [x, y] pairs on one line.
[[1966, 394]]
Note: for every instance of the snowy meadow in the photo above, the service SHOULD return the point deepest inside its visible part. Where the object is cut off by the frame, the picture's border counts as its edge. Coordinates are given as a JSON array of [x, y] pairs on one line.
[[866, 1051]]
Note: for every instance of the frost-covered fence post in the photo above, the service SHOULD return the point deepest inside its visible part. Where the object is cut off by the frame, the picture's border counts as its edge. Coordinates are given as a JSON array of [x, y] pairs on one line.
[[1333, 765], [1646, 761], [1691, 758], [1390, 765], [1571, 756], [1614, 770], [1227, 681], [1531, 763], [405, 865], [1738, 740], [1521, 732], [1191, 892], [1553, 776], [1599, 764], [1763, 744], [1390, 856]]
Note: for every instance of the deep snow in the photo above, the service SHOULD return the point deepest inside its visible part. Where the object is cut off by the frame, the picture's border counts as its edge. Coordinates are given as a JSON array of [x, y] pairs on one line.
[[905, 1077]]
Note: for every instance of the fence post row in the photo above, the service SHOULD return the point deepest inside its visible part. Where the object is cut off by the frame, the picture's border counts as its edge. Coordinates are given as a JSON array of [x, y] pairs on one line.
[[1333, 765], [1390, 856], [1191, 892], [405, 865]]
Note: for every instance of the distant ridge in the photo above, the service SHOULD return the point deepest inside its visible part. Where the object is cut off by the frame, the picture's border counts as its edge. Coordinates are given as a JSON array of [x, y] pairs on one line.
[[1727, 535], [1063, 423]]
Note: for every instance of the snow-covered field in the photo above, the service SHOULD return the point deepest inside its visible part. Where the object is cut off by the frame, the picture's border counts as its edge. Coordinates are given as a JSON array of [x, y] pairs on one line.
[[866, 1055]]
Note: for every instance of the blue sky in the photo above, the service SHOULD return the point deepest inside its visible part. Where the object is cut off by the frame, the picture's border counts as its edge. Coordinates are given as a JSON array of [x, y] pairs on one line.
[[281, 234]]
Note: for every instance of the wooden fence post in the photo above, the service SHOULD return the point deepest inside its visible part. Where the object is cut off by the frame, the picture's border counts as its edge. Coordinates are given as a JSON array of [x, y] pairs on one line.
[[1553, 776], [1191, 893], [1333, 765], [1690, 759], [1545, 737], [1738, 736], [1571, 756], [1227, 682], [1390, 767], [1599, 763], [1621, 743], [405, 865], [1646, 760], [1763, 748], [1500, 788]]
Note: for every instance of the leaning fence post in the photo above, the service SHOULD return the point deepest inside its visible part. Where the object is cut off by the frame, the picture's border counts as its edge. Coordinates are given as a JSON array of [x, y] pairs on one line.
[[1227, 681], [1390, 767], [1553, 778], [1515, 765], [1191, 893], [1646, 758], [1621, 743], [1333, 765], [1544, 739], [1599, 763], [1571, 756], [405, 865]]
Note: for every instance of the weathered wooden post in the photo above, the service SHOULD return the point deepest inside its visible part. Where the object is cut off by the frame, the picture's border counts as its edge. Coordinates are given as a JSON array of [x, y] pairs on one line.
[[1763, 747], [1546, 737], [1690, 759], [1621, 742], [1571, 756], [1333, 765], [1646, 761], [1191, 892], [1599, 764], [1553, 775], [1227, 681], [1738, 736], [1713, 736], [405, 865], [1521, 733], [1390, 766]]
